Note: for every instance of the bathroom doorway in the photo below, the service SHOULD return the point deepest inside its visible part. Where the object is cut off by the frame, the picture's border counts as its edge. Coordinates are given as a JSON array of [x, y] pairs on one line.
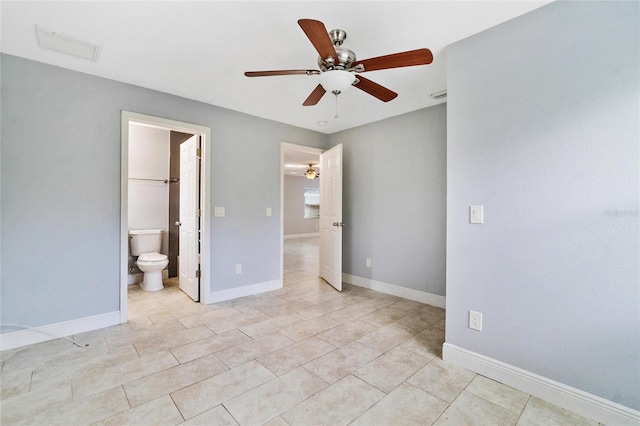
[[194, 244]]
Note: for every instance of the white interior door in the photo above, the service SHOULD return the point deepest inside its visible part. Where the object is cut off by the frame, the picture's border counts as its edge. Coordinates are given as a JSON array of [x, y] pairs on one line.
[[188, 265], [331, 216]]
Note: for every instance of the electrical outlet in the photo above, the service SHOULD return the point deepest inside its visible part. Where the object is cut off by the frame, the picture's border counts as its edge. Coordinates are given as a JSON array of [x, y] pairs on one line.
[[368, 262], [475, 320], [269, 211], [238, 268], [218, 211]]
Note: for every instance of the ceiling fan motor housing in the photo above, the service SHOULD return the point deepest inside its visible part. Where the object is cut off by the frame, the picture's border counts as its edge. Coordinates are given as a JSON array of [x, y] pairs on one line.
[[345, 58]]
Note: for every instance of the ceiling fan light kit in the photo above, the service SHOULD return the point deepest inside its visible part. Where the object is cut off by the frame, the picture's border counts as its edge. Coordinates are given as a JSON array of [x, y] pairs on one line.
[[311, 173], [338, 65], [337, 80]]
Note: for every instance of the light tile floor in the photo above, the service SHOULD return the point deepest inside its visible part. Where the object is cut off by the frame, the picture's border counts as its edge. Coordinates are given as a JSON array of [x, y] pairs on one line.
[[303, 355]]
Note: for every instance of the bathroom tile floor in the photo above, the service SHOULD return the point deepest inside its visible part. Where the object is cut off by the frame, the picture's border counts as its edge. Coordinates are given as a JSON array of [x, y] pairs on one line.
[[302, 355]]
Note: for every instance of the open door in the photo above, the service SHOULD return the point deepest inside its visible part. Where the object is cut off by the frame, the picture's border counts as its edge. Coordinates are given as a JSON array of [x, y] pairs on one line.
[[331, 216], [189, 264]]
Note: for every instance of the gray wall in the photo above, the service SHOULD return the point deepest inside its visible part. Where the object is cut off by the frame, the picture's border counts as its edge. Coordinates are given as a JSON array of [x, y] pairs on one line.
[[61, 190], [394, 199], [543, 131], [294, 221]]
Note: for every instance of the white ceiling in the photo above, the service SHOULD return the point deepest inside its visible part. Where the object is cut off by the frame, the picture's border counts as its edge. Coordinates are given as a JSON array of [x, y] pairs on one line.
[[199, 50]]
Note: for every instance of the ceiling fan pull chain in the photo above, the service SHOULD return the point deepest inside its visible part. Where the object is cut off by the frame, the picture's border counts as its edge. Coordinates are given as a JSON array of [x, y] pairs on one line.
[[336, 92]]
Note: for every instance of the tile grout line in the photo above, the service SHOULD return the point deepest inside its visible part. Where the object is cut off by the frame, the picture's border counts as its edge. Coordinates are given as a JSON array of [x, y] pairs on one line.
[[523, 408], [178, 408]]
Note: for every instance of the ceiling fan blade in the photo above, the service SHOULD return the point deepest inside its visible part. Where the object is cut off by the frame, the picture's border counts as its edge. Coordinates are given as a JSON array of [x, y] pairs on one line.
[[374, 89], [319, 37], [280, 72], [315, 96], [397, 60]]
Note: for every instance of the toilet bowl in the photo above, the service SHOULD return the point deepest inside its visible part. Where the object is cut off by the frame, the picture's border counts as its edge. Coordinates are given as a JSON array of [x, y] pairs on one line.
[[152, 264], [146, 244]]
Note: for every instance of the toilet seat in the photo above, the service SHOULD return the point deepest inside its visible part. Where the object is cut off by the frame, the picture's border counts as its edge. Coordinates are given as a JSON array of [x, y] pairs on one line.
[[152, 264], [152, 257]]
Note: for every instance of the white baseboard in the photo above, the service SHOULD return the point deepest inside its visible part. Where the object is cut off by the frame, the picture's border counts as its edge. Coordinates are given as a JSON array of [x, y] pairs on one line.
[[567, 397], [292, 236], [407, 293], [33, 335], [247, 290]]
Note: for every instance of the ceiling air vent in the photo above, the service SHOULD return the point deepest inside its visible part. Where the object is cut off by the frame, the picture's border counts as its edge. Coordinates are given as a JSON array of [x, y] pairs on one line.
[[439, 95], [65, 43]]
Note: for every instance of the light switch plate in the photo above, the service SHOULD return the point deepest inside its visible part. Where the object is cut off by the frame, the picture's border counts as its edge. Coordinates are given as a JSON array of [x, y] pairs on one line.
[[476, 214], [219, 212], [269, 211]]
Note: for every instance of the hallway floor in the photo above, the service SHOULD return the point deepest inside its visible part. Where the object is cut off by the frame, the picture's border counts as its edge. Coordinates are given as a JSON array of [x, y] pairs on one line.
[[302, 355]]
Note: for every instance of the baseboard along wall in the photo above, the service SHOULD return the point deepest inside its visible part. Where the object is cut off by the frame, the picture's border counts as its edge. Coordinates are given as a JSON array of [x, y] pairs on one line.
[[567, 397], [395, 290], [31, 335], [247, 290]]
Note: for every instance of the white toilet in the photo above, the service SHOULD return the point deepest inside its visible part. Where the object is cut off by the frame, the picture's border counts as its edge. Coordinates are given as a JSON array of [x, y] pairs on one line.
[[146, 244]]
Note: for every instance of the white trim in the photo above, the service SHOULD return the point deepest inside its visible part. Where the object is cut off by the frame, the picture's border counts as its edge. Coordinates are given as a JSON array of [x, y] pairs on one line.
[[33, 335], [567, 397], [395, 290], [293, 236], [124, 213], [247, 290], [205, 199]]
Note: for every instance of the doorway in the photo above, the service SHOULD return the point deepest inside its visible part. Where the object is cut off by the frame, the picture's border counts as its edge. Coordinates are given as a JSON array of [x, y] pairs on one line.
[[201, 242], [303, 232]]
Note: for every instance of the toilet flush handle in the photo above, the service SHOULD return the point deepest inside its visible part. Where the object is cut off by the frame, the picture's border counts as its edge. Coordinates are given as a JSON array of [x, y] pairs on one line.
[[178, 223]]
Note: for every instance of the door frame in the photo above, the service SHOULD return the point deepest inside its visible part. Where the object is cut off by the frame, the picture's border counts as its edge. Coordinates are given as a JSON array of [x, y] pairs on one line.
[[284, 146], [205, 199]]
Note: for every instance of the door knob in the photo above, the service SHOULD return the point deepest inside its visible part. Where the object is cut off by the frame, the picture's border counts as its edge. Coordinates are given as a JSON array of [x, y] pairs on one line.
[[178, 223], [338, 224]]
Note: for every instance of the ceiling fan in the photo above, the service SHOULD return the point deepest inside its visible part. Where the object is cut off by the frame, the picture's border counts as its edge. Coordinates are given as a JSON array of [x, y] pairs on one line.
[[311, 173], [338, 65]]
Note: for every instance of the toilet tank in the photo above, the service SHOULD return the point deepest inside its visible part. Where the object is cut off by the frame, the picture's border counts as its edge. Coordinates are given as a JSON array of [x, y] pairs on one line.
[[145, 241]]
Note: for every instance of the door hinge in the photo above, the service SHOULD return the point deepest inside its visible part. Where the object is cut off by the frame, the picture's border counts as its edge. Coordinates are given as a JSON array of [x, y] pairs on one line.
[[198, 212], [199, 152], [198, 273]]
